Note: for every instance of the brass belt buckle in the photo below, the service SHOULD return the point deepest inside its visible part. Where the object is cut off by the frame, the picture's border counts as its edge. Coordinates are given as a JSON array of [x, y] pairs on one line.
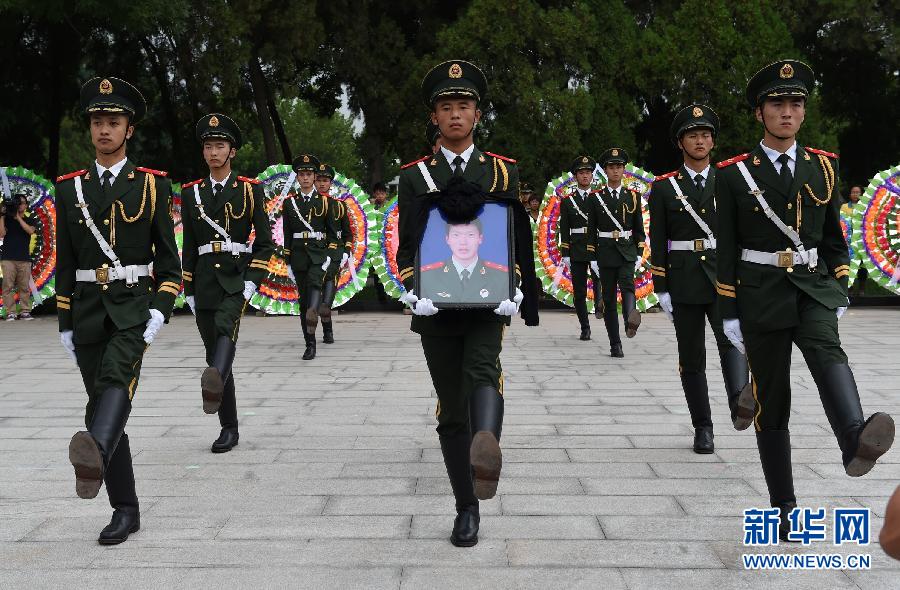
[[102, 276], [785, 259], [699, 246], [216, 247], [615, 234]]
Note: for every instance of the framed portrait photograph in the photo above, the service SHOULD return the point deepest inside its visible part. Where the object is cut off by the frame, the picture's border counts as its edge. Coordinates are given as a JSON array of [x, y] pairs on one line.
[[467, 266]]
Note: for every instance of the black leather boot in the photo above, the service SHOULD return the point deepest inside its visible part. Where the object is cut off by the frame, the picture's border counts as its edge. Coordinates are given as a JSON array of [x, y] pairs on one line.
[[861, 442], [598, 300], [309, 341], [611, 320], [314, 299], [228, 437], [212, 382], [585, 334], [486, 422], [630, 314], [696, 393], [91, 450], [328, 294], [455, 449], [738, 387], [119, 478], [775, 455]]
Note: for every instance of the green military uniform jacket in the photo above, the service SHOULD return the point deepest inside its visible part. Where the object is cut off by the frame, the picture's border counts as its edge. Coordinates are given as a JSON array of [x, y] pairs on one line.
[[492, 173], [576, 212], [765, 297], [305, 253], [239, 209], [135, 217], [343, 237], [489, 281], [627, 211], [688, 276]]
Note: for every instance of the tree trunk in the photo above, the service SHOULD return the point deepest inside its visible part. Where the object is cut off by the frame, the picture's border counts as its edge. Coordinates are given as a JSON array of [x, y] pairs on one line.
[[258, 85], [160, 74], [373, 152], [279, 125]]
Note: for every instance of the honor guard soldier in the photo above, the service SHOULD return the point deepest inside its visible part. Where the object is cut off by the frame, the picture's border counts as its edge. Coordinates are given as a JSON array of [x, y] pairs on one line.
[[683, 264], [577, 237], [782, 278], [462, 347], [620, 232], [343, 241], [221, 269], [117, 276], [309, 244]]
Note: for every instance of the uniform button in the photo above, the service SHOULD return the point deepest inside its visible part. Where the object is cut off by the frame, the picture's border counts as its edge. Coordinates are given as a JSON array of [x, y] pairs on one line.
[[756, 208], [703, 258], [105, 287], [739, 281], [790, 227], [790, 205], [81, 221], [106, 222], [218, 265], [790, 269], [702, 210], [217, 235]]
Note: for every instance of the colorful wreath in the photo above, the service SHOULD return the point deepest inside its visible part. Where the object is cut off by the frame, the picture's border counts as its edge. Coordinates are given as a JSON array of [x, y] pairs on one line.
[[385, 258], [876, 230], [41, 201], [179, 235], [278, 293], [547, 258]]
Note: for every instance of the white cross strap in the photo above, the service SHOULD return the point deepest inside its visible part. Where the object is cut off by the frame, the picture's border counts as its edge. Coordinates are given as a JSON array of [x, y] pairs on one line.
[[577, 208], [687, 207], [300, 216], [611, 217], [101, 241], [426, 175]]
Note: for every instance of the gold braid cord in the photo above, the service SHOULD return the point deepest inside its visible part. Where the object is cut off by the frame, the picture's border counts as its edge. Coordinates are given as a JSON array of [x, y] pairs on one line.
[[229, 209], [149, 189]]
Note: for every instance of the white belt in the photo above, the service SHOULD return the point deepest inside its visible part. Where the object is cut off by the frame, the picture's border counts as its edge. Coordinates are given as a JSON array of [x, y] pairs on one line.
[[615, 234], [693, 245], [578, 230], [782, 259], [229, 247], [309, 235], [130, 274]]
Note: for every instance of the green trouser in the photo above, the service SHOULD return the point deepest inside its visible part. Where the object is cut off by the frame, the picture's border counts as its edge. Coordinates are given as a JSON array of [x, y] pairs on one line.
[[225, 320], [621, 276], [459, 363], [579, 270], [769, 355], [690, 331]]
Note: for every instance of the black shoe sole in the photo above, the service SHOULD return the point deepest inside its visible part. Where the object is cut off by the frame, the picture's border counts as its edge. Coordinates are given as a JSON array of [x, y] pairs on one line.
[[84, 454], [213, 387], [745, 409], [633, 323], [217, 450], [487, 461], [458, 543], [875, 439]]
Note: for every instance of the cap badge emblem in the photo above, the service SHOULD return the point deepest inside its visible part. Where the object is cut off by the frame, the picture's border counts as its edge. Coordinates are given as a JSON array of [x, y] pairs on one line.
[[106, 87], [214, 121], [787, 71], [306, 159], [455, 71], [615, 152], [584, 160], [698, 112]]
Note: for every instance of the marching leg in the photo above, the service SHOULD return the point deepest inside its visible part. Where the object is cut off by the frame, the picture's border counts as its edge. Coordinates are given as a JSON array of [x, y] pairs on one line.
[[486, 420], [119, 479], [775, 455], [455, 449], [91, 450], [228, 436], [212, 382], [328, 294]]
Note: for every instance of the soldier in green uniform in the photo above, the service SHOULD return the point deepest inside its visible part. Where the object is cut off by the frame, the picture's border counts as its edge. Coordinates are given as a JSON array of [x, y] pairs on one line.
[[343, 241], [577, 237], [113, 222], [683, 265], [221, 269], [782, 278], [462, 347], [309, 244], [620, 232]]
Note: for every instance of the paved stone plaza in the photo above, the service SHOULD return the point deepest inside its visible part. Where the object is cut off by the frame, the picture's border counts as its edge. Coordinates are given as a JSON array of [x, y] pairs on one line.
[[338, 480]]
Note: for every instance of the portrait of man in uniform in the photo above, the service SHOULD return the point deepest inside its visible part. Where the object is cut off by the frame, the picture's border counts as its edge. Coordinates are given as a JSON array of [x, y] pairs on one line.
[[466, 264]]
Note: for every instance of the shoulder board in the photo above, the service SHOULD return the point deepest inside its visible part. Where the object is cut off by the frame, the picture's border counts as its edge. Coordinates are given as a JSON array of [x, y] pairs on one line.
[[823, 153], [71, 175], [496, 266], [432, 266], [152, 171], [413, 163], [733, 160], [665, 176], [499, 157], [190, 184], [250, 180]]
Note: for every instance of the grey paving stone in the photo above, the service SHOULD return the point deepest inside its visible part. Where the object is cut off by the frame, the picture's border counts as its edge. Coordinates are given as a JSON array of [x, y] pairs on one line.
[[513, 527], [511, 578], [610, 553]]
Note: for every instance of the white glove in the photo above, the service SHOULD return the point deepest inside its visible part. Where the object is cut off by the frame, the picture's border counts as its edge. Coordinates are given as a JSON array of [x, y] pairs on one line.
[[840, 311], [567, 262], [66, 338], [190, 302], [665, 303], [595, 266], [424, 307], [638, 262], [510, 308], [732, 329], [291, 273], [345, 259], [409, 299], [249, 289], [153, 325], [326, 263]]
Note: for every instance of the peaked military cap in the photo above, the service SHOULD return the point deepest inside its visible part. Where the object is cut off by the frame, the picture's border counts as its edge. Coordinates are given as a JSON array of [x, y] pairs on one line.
[[432, 132], [525, 188], [306, 162], [112, 96], [613, 156], [787, 77], [583, 163], [218, 126], [325, 170], [694, 116], [456, 78]]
